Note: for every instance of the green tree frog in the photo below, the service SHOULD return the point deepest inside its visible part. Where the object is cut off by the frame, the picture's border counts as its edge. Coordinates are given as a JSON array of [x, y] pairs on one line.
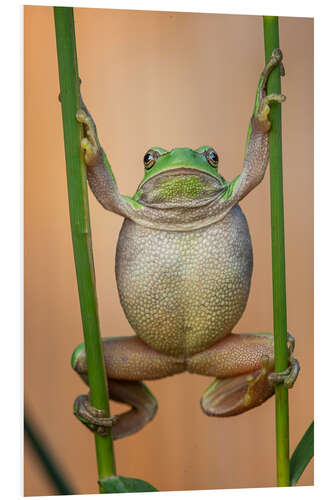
[[183, 270]]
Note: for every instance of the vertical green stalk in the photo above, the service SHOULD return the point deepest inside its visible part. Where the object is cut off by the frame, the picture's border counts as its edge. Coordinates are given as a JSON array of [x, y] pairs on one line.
[[80, 226], [271, 35]]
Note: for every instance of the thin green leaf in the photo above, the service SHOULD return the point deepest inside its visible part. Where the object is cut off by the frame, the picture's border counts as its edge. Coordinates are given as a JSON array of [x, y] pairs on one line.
[[302, 455], [121, 484]]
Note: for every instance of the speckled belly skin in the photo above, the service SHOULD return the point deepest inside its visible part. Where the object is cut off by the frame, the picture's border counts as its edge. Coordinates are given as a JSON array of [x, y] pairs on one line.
[[183, 291]]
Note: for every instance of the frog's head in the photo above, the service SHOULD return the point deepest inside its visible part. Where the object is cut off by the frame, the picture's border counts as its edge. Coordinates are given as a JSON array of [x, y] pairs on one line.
[[180, 177]]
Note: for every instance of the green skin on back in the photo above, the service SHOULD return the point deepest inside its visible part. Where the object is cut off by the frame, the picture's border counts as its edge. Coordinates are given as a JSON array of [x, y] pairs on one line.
[[183, 269]]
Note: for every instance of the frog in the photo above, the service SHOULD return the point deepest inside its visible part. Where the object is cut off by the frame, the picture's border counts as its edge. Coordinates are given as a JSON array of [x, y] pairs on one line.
[[183, 268]]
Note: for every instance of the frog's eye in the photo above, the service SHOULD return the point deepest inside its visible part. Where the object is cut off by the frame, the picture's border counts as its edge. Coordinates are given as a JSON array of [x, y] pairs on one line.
[[212, 157], [150, 158]]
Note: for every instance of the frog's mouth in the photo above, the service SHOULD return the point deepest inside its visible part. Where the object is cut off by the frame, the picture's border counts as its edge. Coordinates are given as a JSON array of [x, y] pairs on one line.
[[180, 187]]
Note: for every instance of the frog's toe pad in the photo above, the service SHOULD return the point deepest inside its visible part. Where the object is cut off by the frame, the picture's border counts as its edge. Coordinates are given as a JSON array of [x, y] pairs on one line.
[[93, 418], [235, 395], [82, 117], [287, 377]]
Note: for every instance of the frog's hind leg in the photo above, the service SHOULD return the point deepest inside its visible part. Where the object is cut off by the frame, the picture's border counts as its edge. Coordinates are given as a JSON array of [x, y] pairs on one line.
[[143, 406], [243, 366], [128, 360]]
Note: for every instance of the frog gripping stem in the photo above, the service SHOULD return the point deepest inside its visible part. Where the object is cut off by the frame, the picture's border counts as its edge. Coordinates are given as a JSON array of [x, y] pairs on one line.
[[177, 245], [238, 390], [93, 418], [261, 112], [89, 143], [80, 225]]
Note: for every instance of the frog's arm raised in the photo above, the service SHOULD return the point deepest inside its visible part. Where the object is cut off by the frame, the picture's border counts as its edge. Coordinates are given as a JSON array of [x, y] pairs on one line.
[[257, 147], [99, 174]]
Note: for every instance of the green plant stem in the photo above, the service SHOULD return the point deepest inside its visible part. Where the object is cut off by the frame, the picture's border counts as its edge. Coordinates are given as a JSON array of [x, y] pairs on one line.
[[271, 35], [80, 226]]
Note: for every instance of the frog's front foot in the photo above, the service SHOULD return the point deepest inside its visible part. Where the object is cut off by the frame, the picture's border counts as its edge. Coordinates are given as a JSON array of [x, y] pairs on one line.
[[93, 418], [89, 144], [261, 120]]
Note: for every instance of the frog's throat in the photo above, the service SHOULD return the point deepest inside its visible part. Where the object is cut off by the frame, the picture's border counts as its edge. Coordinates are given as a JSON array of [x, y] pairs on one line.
[[180, 188], [183, 204]]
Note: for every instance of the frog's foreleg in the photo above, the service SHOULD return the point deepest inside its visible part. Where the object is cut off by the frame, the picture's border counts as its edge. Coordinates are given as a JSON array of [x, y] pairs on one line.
[[128, 361], [99, 174], [257, 147], [243, 366]]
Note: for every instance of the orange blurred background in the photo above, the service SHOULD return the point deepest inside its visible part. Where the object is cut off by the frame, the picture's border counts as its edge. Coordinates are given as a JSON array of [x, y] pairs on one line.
[[161, 79]]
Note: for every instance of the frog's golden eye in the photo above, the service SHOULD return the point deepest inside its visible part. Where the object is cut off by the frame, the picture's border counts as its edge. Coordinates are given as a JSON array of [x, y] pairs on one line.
[[150, 158], [212, 157]]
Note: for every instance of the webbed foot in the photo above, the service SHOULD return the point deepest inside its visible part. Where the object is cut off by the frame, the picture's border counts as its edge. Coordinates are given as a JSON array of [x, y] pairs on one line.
[[232, 395], [133, 393]]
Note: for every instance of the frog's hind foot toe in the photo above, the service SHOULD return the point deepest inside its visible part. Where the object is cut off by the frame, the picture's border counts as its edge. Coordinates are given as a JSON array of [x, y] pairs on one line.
[[287, 377], [95, 419]]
